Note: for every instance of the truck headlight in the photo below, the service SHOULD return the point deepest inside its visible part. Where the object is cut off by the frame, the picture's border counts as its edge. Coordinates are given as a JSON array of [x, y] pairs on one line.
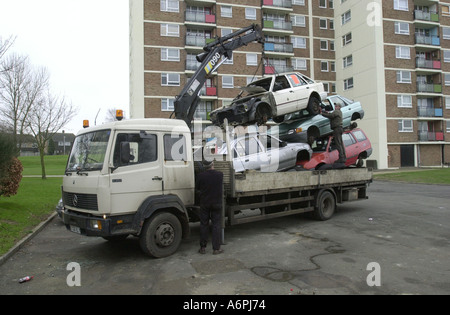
[[96, 224]]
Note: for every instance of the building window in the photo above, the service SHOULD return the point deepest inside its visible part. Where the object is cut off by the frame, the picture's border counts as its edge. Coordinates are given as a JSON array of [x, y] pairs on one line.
[[322, 3], [447, 79], [226, 11], [401, 28], [445, 9], [447, 102], [346, 17], [170, 5], [227, 82], [403, 76], [324, 66], [348, 61], [299, 64], [446, 32], [404, 101], [170, 54], [167, 104], [299, 42], [405, 125], [323, 44], [323, 24], [252, 59], [250, 13], [446, 55], [346, 39], [401, 5], [298, 2], [402, 52], [298, 20], [228, 61], [348, 84], [170, 30], [170, 79], [448, 125]]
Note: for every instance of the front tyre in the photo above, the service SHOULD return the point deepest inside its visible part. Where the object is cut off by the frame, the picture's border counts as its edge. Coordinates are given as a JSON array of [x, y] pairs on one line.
[[314, 106], [161, 235], [326, 206]]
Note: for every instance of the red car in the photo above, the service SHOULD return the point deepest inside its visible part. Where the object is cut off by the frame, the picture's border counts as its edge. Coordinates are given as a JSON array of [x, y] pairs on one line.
[[357, 148]]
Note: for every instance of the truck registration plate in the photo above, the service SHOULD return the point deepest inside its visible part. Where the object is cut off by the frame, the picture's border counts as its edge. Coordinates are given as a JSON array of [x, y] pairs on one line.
[[75, 229]]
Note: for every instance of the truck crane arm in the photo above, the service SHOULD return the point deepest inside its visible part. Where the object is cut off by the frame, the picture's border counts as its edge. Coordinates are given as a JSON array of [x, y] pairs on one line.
[[186, 103]]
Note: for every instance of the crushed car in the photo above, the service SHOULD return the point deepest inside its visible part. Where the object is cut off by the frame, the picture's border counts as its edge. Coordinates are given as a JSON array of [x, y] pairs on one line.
[[357, 149], [262, 152], [272, 97], [301, 127]]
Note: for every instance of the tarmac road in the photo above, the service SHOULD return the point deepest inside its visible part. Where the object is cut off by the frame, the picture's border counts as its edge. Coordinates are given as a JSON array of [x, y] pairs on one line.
[[402, 228]]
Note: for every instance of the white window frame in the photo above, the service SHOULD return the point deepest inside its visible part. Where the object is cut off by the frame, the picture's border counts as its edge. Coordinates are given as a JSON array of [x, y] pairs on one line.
[[323, 4], [251, 59], [404, 101], [165, 54], [401, 5], [226, 11], [346, 17], [446, 54], [227, 85], [166, 30], [324, 67], [167, 104], [325, 46], [347, 61], [298, 20], [400, 28], [447, 102], [170, 6], [402, 125], [299, 64], [250, 13], [445, 32], [402, 52], [171, 79], [347, 39], [447, 79], [403, 77], [348, 84], [321, 21], [299, 42]]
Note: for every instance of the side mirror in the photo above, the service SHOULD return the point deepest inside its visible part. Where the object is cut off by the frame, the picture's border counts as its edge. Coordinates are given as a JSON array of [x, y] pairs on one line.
[[125, 152], [283, 144]]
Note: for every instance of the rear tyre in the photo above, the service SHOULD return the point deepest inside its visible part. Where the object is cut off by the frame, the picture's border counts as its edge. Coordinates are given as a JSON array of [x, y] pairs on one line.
[[262, 115], [314, 106], [325, 206], [161, 235]]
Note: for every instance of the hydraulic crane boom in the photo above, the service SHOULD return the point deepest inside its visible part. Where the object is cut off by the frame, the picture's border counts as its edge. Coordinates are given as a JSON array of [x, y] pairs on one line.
[[186, 103]]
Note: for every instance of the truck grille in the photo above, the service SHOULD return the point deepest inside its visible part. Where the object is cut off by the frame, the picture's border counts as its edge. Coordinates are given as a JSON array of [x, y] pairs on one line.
[[80, 201]]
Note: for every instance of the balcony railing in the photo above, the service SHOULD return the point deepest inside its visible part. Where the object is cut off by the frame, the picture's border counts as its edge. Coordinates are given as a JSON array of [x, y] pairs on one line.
[[431, 136], [200, 17], [426, 16], [429, 112], [279, 25], [279, 47], [278, 3], [429, 88], [277, 69], [428, 64], [428, 40]]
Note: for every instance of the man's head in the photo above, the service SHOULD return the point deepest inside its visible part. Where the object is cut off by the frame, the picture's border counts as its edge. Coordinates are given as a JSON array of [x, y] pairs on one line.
[[208, 164], [337, 106]]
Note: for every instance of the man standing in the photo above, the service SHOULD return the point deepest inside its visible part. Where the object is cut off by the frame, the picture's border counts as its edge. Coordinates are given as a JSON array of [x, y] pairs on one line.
[[210, 186], [335, 118]]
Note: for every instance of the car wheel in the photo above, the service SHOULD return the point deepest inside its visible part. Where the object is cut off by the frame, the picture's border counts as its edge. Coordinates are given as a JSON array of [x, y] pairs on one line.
[[278, 119], [314, 106], [262, 114]]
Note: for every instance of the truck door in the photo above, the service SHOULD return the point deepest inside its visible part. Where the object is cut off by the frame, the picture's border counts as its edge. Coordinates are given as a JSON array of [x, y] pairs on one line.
[[136, 175]]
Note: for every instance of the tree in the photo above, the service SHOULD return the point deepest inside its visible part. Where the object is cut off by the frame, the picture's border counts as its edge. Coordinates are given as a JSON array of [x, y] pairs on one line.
[[49, 114], [10, 167], [20, 86]]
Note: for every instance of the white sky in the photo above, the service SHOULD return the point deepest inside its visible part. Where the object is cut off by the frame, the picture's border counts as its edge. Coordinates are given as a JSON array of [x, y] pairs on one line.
[[83, 43]]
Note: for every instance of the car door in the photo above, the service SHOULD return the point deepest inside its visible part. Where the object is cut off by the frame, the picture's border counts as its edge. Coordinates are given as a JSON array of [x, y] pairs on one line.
[[301, 91], [284, 96], [249, 155]]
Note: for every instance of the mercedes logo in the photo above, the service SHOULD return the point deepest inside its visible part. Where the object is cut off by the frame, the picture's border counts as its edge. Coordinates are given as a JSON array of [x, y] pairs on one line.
[[75, 200]]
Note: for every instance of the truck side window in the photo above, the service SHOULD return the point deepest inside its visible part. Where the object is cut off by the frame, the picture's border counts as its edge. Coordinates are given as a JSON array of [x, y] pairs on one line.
[[175, 148], [142, 150]]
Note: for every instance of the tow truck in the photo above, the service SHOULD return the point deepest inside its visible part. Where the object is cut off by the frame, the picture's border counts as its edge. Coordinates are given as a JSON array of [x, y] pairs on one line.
[[137, 176]]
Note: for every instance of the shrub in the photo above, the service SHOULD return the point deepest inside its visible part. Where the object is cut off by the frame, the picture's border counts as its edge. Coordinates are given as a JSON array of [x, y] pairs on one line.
[[9, 184]]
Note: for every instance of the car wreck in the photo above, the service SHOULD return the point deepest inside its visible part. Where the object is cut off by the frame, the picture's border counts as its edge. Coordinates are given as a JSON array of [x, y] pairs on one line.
[[272, 98]]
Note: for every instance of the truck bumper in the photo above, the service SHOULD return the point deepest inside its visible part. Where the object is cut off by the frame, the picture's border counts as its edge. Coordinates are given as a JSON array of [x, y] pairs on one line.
[[87, 225]]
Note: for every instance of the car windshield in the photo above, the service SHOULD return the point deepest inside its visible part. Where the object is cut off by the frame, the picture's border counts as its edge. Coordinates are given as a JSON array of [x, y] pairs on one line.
[[88, 151]]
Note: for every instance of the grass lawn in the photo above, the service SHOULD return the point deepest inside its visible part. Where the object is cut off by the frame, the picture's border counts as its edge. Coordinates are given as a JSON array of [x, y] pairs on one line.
[[34, 202], [432, 176]]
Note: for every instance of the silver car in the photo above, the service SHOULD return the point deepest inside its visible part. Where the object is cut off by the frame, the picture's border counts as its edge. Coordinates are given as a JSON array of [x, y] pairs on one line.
[[301, 127], [265, 153]]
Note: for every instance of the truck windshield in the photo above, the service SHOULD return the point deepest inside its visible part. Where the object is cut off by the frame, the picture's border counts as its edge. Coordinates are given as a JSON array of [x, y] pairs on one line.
[[88, 151]]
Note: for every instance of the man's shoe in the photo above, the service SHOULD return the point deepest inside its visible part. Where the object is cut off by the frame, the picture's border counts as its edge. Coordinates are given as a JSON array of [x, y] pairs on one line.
[[202, 250], [217, 251]]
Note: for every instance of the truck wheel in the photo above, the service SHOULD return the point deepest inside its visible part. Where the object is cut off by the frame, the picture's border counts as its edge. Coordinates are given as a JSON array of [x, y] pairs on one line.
[[161, 235], [326, 205]]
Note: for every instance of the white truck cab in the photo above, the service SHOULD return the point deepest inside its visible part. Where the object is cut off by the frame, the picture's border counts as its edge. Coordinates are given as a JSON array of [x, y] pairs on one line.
[[121, 173]]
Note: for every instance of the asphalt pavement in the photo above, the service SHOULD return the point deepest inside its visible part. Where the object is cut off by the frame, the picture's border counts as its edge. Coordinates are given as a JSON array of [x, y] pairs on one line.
[[396, 242]]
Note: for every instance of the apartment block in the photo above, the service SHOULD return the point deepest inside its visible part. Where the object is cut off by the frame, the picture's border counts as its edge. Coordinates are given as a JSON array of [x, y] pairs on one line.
[[393, 56]]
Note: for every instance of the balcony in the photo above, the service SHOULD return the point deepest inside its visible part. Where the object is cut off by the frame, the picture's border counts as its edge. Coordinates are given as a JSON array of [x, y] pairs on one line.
[[426, 16], [277, 26], [428, 64], [277, 5], [431, 136], [432, 40], [429, 112], [200, 18], [197, 41], [429, 88], [278, 48], [277, 69]]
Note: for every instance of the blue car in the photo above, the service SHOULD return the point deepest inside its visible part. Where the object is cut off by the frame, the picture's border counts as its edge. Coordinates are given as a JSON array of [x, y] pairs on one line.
[[302, 127]]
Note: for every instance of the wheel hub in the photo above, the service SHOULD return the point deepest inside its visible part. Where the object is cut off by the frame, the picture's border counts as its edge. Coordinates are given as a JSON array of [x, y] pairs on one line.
[[165, 234]]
